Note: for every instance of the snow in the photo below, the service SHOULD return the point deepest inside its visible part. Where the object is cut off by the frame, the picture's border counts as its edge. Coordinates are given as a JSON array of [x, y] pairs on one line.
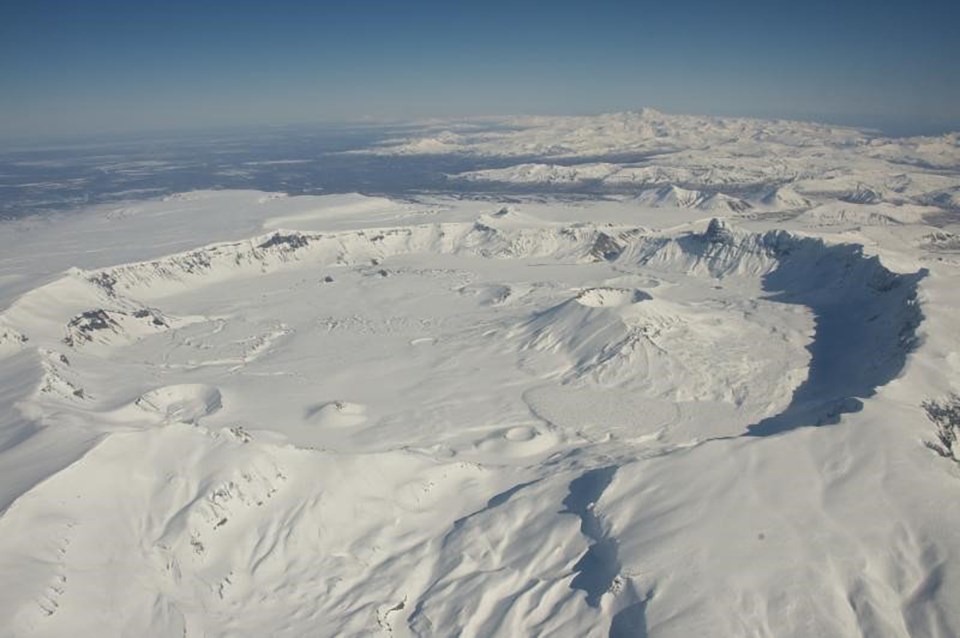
[[660, 413], [723, 165]]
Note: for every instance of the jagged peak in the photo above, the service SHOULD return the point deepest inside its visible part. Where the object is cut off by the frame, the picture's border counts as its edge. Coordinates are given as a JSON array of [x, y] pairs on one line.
[[718, 231]]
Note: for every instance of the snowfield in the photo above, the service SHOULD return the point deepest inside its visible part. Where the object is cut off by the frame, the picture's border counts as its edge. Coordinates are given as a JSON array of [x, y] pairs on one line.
[[678, 412]]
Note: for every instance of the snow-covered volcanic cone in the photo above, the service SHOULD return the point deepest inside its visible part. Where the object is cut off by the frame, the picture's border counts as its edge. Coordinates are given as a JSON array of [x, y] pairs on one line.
[[484, 423]]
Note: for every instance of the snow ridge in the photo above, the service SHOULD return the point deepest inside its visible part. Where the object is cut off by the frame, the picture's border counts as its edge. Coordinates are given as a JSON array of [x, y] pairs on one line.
[[520, 527]]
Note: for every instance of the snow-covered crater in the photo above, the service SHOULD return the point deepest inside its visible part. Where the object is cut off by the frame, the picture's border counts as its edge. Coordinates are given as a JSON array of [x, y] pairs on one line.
[[351, 417]]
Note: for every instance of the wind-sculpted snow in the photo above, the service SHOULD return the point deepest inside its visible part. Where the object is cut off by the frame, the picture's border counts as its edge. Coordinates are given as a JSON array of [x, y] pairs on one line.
[[502, 426]]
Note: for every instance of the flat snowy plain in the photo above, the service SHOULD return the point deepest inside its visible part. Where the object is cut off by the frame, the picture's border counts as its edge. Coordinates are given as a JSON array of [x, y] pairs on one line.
[[664, 376]]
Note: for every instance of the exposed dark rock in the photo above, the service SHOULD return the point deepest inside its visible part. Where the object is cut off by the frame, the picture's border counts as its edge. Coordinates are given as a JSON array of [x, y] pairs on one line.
[[862, 195], [106, 281], [718, 232], [293, 241], [81, 328], [92, 320], [155, 317], [605, 248], [945, 415]]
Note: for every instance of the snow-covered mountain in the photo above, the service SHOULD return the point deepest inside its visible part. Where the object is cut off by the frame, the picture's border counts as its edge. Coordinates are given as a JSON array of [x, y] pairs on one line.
[[740, 159], [713, 400]]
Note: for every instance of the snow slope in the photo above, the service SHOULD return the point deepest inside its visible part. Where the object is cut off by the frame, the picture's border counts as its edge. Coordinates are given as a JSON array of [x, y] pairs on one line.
[[692, 405], [511, 425]]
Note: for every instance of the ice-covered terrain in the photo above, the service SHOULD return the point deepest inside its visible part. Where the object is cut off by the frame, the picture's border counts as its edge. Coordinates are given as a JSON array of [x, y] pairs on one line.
[[691, 408]]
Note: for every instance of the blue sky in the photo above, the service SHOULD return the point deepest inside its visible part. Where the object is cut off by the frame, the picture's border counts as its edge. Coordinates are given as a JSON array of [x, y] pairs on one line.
[[73, 67]]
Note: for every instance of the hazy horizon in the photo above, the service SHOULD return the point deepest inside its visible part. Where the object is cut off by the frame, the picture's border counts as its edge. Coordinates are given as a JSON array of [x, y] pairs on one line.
[[54, 139], [108, 67]]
